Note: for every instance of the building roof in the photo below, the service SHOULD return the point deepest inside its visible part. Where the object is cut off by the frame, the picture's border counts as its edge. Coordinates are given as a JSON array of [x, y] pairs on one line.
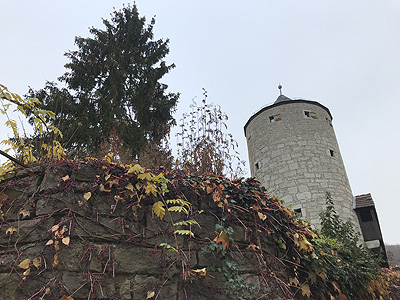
[[364, 200], [282, 98]]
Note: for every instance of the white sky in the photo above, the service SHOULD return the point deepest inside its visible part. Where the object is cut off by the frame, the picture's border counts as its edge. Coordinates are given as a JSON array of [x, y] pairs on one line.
[[343, 54]]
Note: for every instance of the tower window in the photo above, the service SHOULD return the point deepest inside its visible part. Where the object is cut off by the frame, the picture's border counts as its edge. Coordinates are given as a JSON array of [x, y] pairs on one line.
[[310, 114], [332, 153], [274, 118], [298, 212], [257, 165]]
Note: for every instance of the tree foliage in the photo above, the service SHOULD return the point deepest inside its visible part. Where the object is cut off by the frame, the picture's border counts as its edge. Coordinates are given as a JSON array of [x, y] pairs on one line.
[[355, 264], [112, 86], [203, 144], [20, 142]]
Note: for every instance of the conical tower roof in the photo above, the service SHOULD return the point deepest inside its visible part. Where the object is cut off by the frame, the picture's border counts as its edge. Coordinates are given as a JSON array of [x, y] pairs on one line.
[[282, 98]]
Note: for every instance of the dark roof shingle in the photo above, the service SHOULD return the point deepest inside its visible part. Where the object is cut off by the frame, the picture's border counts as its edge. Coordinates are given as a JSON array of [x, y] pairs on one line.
[[364, 200]]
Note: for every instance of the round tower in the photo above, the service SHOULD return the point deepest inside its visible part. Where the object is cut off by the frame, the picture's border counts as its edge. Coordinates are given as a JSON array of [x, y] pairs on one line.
[[294, 153]]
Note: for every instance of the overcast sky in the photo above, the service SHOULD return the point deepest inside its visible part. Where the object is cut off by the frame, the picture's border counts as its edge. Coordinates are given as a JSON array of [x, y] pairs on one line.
[[343, 54]]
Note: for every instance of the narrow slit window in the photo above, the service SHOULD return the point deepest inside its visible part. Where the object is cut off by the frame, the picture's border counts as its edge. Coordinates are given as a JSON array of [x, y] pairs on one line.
[[332, 153], [257, 165], [274, 118], [329, 121], [298, 212]]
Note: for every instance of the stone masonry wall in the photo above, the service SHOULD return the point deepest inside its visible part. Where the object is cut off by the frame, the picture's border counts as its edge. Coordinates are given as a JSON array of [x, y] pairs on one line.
[[99, 247], [298, 159]]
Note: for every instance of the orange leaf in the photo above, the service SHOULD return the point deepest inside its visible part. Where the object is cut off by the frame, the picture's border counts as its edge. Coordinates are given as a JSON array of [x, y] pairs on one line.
[[66, 298], [222, 238], [3, 197], [65, 178]]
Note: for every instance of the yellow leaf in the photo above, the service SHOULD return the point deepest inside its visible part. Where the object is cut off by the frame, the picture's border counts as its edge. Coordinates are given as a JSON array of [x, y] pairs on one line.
[[323, 276], [150, 188], [135, 169], [87, 195], [313, 277], [146, 176], [25, 264], [25, 213], [57, 245], [209, 189], [107, 177], [304, 245], [54, 228], [201, 272], [222, 238], [112, 182], [11, 230], [184, 232], [150, 294], [103, 189], [129, 187], [305, 290], [294, 281], [37, 262], [254, 247], [261, 216], [66, 240], [63, 229], [55, 261], [282, 244], [27, 271], [159, 209]]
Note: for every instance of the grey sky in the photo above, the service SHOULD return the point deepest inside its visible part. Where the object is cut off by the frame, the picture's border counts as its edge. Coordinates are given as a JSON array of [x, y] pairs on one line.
[[343, 54]]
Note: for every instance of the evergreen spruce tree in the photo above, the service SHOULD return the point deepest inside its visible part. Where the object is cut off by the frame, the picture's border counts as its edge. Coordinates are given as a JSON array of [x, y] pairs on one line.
[[112, 86]]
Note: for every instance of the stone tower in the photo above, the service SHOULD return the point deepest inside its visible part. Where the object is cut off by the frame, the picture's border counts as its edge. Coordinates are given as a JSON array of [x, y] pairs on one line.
[[294, 153]]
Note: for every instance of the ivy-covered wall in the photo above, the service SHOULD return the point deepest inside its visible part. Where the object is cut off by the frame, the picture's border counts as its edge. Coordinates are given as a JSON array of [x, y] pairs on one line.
[[92, 229]]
